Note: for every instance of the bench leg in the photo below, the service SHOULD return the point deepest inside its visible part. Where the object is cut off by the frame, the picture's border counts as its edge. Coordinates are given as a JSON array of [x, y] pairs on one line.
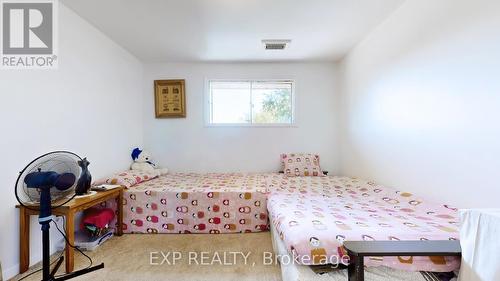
[[356, 268], [119, 231], [70, 234], [24, 240]]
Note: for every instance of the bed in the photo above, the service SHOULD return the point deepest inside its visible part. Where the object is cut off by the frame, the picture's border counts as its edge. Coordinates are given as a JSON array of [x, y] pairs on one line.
[[314, 215], [291, 271], [197, 203]]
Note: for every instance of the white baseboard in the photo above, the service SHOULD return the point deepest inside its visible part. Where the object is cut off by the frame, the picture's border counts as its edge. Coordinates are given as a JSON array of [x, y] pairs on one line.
[[10, 272]]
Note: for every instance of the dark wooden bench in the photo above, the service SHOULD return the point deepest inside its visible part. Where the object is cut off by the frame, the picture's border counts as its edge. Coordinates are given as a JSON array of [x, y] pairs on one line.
[[358, 250]]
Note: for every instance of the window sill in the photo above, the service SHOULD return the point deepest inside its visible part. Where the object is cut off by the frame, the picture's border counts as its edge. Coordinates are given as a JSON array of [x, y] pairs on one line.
[[251, 125]]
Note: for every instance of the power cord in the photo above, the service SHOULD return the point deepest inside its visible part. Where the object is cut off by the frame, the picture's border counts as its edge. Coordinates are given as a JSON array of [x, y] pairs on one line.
[[72, 246], [60, 255]]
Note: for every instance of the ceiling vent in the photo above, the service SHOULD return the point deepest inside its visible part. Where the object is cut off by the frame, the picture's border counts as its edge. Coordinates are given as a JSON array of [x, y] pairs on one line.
[[275, 44]]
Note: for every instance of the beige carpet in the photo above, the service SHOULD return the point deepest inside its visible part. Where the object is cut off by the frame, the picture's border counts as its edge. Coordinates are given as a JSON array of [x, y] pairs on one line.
[[128, 258]]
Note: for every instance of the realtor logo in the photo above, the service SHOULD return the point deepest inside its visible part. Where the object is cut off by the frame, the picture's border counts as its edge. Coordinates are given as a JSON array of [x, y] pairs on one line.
[[28, 34]]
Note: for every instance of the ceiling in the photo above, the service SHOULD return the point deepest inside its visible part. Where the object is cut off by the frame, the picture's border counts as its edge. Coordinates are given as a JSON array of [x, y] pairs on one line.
[[232, 30]]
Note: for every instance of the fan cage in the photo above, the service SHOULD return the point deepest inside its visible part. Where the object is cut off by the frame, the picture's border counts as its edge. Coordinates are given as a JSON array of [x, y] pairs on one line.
[[57, 161]]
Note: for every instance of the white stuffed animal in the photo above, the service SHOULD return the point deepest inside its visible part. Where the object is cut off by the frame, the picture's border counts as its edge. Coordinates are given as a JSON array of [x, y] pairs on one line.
[[142, 162]]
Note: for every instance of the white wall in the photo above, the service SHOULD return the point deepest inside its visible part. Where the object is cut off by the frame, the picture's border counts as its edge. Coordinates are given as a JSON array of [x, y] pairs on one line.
[[91, 105], [421, 100], [187, 145]]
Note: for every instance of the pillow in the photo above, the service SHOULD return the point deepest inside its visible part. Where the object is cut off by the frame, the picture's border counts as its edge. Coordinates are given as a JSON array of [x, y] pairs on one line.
[[127, 178], [301, 165]]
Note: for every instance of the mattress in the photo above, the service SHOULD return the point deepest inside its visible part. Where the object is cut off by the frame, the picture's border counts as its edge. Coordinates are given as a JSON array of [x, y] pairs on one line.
[[291, 271], [197, 203], [313, 217]]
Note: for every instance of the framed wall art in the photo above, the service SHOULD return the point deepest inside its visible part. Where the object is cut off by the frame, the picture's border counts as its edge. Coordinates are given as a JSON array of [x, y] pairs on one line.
[[170, 98]]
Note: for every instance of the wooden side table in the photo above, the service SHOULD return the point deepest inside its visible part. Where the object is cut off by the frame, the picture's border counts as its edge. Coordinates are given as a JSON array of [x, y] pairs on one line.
[[358, 250], [68, 210]]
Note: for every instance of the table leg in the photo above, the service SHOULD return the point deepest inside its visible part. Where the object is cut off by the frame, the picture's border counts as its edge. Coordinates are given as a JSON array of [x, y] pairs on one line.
[[119, 231], [70, 234], [356, 268], [24, 240]]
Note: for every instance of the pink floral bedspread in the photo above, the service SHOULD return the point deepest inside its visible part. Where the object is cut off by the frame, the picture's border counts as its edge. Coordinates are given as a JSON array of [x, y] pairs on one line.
[[314, 215], [197, 203]]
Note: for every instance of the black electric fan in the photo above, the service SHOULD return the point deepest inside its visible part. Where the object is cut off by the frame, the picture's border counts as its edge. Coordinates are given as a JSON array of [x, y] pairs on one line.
[[46, 183]]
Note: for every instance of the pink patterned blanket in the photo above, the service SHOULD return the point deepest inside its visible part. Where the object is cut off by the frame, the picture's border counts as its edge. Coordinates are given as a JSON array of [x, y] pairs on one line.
[[313, 216], [197, 203]]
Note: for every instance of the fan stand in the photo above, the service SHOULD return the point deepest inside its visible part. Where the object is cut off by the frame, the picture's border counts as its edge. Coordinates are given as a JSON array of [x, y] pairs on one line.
[[44, 219]]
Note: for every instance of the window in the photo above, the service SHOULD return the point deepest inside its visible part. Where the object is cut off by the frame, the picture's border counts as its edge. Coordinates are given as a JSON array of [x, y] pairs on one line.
[[243, 102]]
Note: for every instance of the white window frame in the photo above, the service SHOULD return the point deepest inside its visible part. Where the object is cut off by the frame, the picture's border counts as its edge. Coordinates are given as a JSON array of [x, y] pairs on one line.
[[208, 104]]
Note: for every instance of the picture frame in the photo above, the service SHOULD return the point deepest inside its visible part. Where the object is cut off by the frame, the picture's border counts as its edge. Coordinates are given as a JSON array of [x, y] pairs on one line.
[[170, 98]]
